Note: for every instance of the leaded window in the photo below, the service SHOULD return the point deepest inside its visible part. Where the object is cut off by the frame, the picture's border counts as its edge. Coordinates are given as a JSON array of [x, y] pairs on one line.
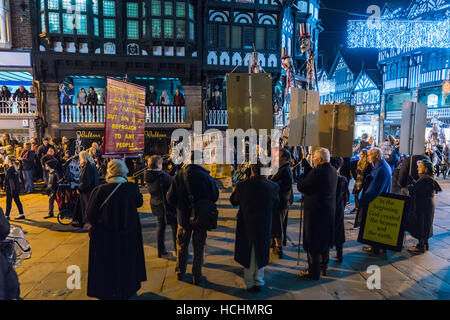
[[132, 10], [109, 8], [156, 8], [168, 28], [132, 29], [109, 28], [180, 9], [168, 8], [156, 28]]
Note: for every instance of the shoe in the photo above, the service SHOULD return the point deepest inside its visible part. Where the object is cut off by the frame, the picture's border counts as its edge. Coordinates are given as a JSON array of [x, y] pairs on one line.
[[416, 250], [49, 216], [304, 274], [427, 247], [372, 250], [164, 254], [339, 259], [280, 252], [21, 217], [254, 289], [197, 281], [77, 225], [180, 276], [323, 272]]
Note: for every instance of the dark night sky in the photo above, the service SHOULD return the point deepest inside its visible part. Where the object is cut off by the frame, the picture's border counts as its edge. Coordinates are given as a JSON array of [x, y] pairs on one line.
[[335, 24]]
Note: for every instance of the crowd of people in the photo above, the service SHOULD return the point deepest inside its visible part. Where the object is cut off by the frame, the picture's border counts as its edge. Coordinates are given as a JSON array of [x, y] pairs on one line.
[[183, 198]]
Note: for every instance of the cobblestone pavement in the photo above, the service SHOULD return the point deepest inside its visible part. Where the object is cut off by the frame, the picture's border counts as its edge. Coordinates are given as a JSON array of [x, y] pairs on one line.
[[403, 276]]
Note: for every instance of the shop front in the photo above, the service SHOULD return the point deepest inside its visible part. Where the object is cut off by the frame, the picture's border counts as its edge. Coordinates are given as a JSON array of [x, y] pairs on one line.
[[367, 123], [157, 141]]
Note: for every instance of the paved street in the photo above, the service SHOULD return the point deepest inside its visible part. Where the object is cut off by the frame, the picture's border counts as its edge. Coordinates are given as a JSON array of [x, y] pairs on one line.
[[403, 276]]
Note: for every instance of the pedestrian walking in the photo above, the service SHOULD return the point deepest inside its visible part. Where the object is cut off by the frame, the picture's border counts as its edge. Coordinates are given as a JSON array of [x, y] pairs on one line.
[[284, 180], [116, 252], [158, 183], [258, 200], [27, 159], [88, 181], [12, 188], [318, 186], [422, 192], [194, 183]]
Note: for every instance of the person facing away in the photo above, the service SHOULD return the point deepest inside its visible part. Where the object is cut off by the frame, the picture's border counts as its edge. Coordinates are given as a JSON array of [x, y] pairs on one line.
[[284, 180], [318, 186], [178, 98], [52, 186], [12, 188], [158, 184], [422, 193], [342, 196], [258, 200], [82, 97], [88, 181], [116, 251], [203, 188], [151, 97], [379, 181]]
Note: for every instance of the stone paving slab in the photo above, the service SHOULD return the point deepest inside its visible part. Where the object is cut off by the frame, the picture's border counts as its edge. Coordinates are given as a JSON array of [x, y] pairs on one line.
[[404, 276]]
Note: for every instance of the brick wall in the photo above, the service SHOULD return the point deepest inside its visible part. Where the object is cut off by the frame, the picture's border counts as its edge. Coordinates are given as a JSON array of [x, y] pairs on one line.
[[21, 24]]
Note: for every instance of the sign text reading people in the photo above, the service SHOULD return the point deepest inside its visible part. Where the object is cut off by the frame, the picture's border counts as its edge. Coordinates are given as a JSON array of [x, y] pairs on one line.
[[124, 119]]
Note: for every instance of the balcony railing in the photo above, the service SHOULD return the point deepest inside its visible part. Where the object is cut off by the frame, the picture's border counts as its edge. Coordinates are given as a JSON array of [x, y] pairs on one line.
[[218, 118], [96, 114], [16, 108]]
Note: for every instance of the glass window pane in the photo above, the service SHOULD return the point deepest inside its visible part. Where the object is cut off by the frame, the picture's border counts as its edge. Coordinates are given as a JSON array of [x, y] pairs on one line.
[[132, 29], [156, 28], [42, 2], [168, 8], [144, 28], [67, 4], [95, 6], [224, 36], [132, 10], [109, 8], [144, 9], [53, 22], [260, 38], [81, 5], [212, 35], [181, 29], [168, 28], [236, 37], [68, 23], [109, 28], [191, 12], [52, 4], [191, 31], [181, 9], [249, 37], [43, 22], [96, 28], [156, 7], [81, 23]]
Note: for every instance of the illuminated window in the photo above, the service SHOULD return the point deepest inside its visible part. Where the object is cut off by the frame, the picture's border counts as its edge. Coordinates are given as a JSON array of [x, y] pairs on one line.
[[81, 24], [181, 29], [132, 29], [95, 6], [260, 38], [144, 10], [156, 8], [236, 37], [109, 8], [68, 23], [43, 4], [168, 8], [191, 12], [132, 10], [180, 9], [80, 5], [191, 31], [144, 28], [42, 26], [432, 100], [52, 4], [168, 28], [96, 27], [53, 22], [109, 28], [67, 4], [156, 28]]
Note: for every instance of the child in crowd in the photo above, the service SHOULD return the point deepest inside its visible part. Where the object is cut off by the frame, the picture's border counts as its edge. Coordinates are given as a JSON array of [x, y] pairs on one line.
[[52, 185]]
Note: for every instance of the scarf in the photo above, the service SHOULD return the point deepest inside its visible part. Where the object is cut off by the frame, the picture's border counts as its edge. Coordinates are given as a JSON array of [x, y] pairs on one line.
[[116, 180]]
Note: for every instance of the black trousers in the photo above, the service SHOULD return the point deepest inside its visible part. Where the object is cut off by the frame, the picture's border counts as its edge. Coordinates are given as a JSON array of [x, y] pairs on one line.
[[51, 203], [9, 199], [161, 234], [339, 250], [198, 241], [317, 262]]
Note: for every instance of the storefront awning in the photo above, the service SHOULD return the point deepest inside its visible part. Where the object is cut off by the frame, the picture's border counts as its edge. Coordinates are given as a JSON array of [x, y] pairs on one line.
[[15, 78]]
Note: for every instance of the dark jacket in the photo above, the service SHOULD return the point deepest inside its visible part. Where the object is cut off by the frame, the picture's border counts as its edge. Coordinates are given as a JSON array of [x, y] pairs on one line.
[[42, 150], [403, 175], [341, 201], [202, 185], [9, 282], [92, 98], [116, 252], [178, 100], [88, 178], [5, 94], [18, 95], [158, 184], [318, 186], [28, 158], [47, 157], [379, 181], [12, 184], [284, 180], [151, 98], [258, 199], [420, 223], [53, 178]]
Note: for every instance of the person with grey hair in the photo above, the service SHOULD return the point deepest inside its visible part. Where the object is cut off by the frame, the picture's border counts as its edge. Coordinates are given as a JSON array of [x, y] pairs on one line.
[[116, 252], [318, 186]]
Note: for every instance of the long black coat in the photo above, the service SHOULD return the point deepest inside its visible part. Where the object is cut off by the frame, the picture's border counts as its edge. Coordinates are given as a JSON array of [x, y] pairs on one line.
[[318, 186], [421, 218], [116, 252], [341, 200], [88, 181], [404, 169], [158, 184], [284, 180], [258, 200], [12, 184]]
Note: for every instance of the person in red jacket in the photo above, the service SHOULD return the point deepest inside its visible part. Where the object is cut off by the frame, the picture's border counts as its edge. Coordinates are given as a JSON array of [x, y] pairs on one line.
[[178, 98]]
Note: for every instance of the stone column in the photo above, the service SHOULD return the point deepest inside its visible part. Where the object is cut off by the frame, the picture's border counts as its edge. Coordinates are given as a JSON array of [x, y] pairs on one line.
[[193, 97], [50, 107]]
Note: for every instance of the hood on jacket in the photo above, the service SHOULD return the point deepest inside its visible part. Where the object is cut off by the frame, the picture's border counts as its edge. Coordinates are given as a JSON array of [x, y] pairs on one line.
[[154, 175]]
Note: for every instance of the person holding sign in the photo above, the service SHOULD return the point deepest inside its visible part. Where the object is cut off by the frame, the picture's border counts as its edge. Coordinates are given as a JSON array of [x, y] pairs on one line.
[[318, 186], [421, 219], [380, 182]]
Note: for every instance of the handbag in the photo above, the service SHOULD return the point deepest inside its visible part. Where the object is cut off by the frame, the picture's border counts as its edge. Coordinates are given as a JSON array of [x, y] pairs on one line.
[[204, 214], [110, 195]]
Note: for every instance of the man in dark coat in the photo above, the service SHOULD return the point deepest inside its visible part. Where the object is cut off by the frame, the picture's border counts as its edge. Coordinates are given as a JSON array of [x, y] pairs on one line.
[[41, 151], [284, 180], [151, 97], [12, 187], [178, 98], [258, 199], [342, 196], [203, 187], [404, 178], [158, 184], [116, 251], [318, 186], [27, 158]]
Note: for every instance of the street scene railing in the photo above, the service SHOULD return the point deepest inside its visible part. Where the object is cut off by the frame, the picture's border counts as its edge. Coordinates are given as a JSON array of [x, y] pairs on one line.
[[218, 118], [19, 107], [96, 114]]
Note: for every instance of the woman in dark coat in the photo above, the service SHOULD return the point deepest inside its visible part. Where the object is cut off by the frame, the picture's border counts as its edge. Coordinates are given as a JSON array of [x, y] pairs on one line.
[[116, 252], [422, 194], [88, 181], [363, 169], [318, 186], [257, 198]]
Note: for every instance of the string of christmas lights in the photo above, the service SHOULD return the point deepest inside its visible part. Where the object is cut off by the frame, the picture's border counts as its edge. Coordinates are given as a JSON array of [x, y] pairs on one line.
[[384, 34]]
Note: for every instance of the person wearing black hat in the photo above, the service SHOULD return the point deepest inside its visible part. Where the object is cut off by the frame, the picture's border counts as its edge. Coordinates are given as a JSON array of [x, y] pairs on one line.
[[422, 193], [52, 185]]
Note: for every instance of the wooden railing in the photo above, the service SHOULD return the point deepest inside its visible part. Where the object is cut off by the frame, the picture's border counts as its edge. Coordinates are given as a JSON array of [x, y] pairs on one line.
[[218, 118], [19, 107]]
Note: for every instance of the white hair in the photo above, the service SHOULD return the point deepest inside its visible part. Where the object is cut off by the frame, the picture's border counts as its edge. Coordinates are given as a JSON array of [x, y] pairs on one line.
[[86, 157], [377, 151], [324, 154]]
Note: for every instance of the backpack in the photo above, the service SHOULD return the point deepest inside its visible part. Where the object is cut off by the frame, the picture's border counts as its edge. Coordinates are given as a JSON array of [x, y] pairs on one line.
[[204, 214]]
